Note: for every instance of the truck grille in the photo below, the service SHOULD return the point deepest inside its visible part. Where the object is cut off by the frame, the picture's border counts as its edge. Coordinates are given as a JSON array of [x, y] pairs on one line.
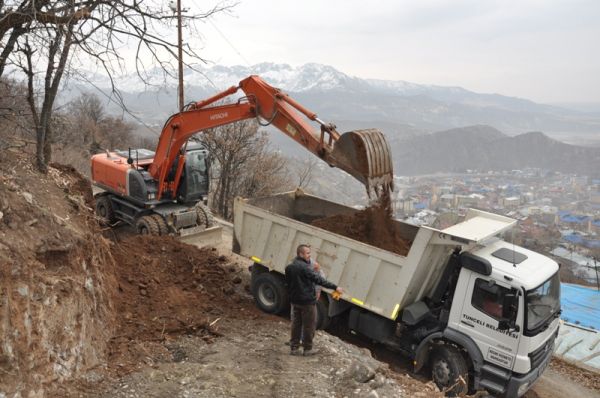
[[537, 357]]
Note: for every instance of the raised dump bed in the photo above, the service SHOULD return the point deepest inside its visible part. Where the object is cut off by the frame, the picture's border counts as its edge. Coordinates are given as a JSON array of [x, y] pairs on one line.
[[269, 229]]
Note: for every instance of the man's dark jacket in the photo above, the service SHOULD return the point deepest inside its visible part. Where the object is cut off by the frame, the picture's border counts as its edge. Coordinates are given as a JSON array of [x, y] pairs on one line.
[[301, 280]]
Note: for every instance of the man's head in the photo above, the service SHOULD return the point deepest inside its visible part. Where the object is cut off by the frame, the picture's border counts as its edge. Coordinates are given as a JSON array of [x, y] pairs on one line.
[[303, 251]]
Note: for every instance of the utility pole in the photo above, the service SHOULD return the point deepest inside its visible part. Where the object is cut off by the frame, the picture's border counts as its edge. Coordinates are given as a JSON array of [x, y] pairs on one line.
[[180, 56]]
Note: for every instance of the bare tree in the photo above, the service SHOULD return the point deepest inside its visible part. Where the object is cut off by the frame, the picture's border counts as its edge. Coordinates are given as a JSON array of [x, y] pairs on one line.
[[113, 131], [14, 110], [305, 170], [40, 37], [243, 164]]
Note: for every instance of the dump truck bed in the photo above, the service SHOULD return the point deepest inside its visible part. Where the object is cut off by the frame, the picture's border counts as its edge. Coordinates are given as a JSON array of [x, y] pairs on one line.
[[269, 229]]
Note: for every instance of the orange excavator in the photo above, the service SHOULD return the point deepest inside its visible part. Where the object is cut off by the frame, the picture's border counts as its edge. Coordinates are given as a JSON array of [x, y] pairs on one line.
[[165, 191]]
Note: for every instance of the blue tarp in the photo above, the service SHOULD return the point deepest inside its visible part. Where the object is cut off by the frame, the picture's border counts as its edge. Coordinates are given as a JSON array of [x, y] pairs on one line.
[[580, 240], [575, 219], [580, 305]]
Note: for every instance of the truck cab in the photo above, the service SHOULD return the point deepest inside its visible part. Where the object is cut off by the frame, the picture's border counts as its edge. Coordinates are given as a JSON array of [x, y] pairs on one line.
[[509, 307]]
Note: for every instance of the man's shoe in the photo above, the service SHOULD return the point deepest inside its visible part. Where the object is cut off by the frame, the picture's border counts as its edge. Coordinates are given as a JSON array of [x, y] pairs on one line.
[[310, 352], [290, 343], [295, 352]]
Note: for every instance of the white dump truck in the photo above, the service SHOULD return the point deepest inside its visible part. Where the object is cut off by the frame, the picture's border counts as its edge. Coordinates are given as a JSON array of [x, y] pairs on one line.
[[478, 311]]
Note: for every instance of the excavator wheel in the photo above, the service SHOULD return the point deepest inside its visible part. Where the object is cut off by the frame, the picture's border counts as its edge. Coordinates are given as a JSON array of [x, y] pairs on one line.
[[205, 216], [104, 210], [147, 225], [163, 228]]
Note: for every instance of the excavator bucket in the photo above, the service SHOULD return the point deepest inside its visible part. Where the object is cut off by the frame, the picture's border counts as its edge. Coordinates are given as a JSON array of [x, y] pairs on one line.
[[366, 155]]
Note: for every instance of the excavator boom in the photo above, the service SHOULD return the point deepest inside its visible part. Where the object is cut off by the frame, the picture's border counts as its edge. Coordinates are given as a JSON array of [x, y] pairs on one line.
[[364, 154]]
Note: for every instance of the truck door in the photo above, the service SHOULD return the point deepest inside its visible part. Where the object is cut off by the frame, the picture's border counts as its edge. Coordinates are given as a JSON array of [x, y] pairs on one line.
[[483, 310]]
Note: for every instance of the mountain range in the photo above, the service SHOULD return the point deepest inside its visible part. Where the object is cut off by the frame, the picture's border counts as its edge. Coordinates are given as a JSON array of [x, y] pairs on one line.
[[399, 108], [430, 128], [484, 148]]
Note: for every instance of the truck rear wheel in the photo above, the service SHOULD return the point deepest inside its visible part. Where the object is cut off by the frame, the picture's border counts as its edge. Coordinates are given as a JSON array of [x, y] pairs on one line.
[[448, 367], [104, 210], [270, 293], [146, 225]]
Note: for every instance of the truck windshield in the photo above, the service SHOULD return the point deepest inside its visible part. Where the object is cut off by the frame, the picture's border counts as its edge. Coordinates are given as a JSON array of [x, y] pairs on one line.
[[543, 303]]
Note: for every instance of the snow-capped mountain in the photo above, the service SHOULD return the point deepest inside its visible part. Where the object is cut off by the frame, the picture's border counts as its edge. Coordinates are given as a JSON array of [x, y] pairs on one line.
[[400, 106]]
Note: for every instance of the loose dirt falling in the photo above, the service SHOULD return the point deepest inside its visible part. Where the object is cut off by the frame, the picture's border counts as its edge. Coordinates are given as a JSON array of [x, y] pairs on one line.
[[373, 225]]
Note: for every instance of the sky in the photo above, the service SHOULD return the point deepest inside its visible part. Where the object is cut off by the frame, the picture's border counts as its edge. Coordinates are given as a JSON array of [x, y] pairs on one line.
[[544, 50]]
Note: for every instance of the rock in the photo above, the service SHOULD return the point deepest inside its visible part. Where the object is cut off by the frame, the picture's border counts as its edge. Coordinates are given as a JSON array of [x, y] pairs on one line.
[[28, 197], [360, 372], [237, 280], [377, 382], [372, 394], [222, 258], [31, 222], [1, 215]]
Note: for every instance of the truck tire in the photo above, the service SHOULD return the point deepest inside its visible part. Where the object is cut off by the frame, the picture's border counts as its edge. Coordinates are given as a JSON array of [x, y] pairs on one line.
[[161, 223], [146, 225], [270, 293], [448, 366], [104, 210], [205, 216], [323, 319]]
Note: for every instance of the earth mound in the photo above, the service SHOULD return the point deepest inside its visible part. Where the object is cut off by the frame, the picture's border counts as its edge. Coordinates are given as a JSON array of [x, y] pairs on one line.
[[373, 225]]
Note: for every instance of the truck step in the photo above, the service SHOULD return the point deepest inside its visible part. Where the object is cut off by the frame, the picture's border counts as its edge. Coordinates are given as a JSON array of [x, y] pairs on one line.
[[491, 386], [488, 370]]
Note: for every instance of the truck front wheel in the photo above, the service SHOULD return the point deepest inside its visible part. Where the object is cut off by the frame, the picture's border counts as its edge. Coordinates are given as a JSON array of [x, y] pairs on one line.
[[449, 370], [270, 293]]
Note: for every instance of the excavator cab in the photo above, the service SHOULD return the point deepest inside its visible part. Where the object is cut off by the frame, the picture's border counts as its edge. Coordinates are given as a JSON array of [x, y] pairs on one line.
[[194, 183]]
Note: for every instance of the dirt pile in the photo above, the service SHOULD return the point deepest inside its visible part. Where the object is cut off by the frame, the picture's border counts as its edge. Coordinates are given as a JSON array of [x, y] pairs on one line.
[[167, 288], [75, 304], [373, 225], [55, 274]]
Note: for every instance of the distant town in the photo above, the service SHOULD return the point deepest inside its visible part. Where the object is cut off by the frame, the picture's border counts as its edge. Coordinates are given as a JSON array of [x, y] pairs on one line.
[[558, 214]]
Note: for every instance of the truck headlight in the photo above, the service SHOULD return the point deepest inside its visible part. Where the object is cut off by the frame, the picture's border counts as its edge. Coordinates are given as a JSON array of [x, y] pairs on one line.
[[151, 196]]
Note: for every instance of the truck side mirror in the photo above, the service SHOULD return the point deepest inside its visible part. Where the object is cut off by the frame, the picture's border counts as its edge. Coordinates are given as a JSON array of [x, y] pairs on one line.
[[510, 308], [510, 305]]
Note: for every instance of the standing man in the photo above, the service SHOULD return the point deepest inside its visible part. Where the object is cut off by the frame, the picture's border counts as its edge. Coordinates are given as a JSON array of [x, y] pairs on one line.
[[302, 279]]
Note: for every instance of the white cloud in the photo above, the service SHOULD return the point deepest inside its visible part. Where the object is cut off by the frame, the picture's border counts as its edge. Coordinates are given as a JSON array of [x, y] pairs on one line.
[[543, 50]]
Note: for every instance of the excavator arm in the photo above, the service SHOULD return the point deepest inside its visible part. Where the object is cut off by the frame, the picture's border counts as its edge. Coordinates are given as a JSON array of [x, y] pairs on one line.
[[364, 154]]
